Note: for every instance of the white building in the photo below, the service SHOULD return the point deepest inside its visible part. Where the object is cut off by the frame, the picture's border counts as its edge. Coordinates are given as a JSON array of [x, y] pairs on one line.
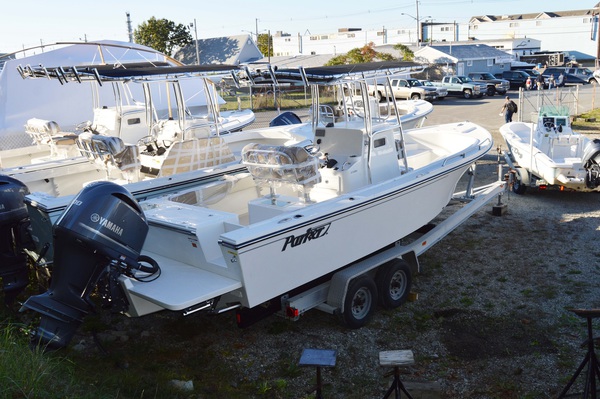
[[574, 31]]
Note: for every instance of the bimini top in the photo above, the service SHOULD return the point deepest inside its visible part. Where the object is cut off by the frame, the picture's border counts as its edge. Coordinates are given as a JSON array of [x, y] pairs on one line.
[[330, 75], [146, 71]]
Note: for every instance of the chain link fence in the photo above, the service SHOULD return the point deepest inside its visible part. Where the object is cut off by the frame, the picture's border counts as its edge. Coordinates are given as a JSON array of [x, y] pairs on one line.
[[579, 99]]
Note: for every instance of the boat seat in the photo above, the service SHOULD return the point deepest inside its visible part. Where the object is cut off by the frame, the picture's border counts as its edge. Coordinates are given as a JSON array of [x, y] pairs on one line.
[[111, 154], [45, 132], [275, 165]]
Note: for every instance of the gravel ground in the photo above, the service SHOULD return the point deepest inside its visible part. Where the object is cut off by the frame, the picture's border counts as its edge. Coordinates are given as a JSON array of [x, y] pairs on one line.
[[491, 319]]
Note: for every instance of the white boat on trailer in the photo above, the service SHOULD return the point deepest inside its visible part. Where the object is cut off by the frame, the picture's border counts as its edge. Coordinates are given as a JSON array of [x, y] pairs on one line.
[[52, 190], [248, 241], [131, 140], [548, 153]]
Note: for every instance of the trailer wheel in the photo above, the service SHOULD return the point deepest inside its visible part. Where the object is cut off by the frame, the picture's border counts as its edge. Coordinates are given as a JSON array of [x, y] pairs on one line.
[[360, 301], [517, 184], [393, 280]]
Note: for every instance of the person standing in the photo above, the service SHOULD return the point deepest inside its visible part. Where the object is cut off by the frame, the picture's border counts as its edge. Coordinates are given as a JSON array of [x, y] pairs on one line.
[[560, 82], [528, 83], [551, 81], [539, 80], [508, 109]]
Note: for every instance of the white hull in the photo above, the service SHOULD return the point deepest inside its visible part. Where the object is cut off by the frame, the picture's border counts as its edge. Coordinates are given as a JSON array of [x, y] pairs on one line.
[[207, 250], [552, 157]]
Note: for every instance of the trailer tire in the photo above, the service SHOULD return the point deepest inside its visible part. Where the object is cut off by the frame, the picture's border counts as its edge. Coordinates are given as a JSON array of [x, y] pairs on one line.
[[360, 302], [518, 186], [393, 280]]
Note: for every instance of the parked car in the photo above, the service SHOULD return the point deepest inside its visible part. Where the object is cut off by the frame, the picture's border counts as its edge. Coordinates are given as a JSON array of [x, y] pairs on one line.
[[494, 84], [516, 78], [582, 77], [442, 92]]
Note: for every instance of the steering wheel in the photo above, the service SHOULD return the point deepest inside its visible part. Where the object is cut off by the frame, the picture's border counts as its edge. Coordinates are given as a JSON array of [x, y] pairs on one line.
[[85, 126], [312, 148], [548, 125], [149, 142]]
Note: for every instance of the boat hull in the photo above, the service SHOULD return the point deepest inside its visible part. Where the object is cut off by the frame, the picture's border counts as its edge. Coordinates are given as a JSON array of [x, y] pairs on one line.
[[559, 163], [310, 244]]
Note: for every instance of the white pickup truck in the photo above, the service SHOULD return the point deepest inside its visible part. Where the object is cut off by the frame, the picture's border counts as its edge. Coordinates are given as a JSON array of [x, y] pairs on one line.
[[463, 86], [442, 92], [404, 89]]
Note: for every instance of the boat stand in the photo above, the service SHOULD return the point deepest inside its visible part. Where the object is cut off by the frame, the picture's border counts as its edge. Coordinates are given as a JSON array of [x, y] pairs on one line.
[[397, 359], [319, 358], [590, 388]]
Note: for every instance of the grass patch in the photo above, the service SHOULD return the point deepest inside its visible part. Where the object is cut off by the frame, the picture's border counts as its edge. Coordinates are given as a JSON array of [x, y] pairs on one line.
[[584, 124]]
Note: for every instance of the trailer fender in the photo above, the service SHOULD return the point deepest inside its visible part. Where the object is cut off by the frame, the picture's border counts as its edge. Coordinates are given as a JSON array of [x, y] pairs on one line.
[[523, 175], [340, 281]]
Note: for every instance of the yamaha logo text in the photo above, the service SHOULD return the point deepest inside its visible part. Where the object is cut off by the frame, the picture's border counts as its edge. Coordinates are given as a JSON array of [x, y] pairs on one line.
[[104, 222], [311, 234]]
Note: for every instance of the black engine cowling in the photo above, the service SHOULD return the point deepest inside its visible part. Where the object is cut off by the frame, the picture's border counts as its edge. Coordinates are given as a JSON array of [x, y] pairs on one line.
[[285, 118], [591, 163], [13, 237], [103, 226]]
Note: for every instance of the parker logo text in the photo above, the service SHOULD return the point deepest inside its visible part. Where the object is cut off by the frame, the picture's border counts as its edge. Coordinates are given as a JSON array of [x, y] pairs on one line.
[[311, 234]]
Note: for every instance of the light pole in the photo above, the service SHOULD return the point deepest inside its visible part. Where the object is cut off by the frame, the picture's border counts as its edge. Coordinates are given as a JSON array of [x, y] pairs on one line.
[[196, 33], [418, 20]]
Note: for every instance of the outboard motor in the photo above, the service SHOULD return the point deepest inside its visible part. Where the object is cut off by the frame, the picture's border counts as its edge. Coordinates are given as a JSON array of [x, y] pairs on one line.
[[14, 221], [102, 229], [285, 118], [591, 163]]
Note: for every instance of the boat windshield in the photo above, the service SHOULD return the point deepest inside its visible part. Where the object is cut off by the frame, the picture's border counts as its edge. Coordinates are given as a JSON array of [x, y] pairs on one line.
[[554, 110]]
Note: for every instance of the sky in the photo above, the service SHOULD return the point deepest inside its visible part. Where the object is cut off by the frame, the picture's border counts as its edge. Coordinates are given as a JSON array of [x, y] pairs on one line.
[[26, 25]]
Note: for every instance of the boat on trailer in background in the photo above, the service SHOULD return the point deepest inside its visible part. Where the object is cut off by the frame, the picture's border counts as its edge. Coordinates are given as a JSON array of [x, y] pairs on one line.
[[247, 241], [548, 153]]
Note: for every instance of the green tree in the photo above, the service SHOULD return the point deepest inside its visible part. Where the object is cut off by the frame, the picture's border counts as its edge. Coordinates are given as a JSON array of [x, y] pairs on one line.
[[162, 35], [407, 54], [360, 55], [265, 44]]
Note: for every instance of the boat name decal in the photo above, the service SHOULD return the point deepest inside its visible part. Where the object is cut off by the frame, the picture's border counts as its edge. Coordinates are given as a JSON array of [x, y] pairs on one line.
[[311, 234], [104, 222]]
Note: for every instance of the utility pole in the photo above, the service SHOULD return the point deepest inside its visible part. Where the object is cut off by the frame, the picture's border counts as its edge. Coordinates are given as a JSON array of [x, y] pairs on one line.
[[197, 50], [129, 30], [418, 25]]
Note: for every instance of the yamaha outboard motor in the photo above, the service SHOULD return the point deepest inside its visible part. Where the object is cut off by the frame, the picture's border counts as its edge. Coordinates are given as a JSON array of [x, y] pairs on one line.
[[104, 227], [13, 237], [591, 163], [285, 118]]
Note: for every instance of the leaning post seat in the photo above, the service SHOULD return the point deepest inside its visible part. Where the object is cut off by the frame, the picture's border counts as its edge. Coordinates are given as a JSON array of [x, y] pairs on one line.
[[111, 153], [275, 165], [45, 132]]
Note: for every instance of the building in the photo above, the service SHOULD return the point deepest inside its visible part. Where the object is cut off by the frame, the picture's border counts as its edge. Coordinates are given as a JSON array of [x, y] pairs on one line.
[[574, 31], [232, 50], [461, 59]]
